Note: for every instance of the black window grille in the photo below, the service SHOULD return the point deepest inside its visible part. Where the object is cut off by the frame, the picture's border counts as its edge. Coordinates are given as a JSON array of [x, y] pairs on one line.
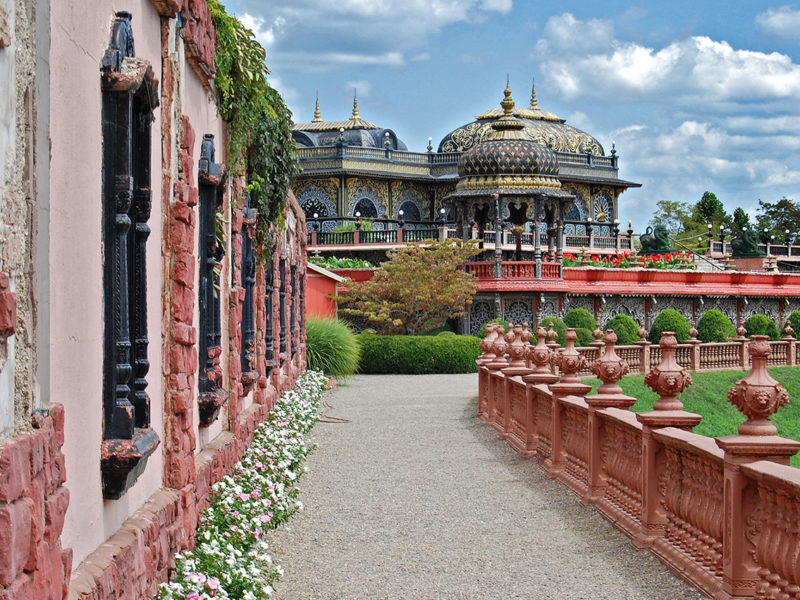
[[293, 310], [129, 96], [269, 333], [282, 304], [212, 188], [249, 374]]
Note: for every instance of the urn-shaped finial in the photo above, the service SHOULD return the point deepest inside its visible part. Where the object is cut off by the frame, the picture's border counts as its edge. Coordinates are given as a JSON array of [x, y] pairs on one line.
[[642, 333], [741, 332], [569, 360], [668, 378], [789, 331], [758, 395], [693, 334], [610, 368], [487, 343], [552, 335], [499, 348], [597, 334], [540, 354], [516, 345]]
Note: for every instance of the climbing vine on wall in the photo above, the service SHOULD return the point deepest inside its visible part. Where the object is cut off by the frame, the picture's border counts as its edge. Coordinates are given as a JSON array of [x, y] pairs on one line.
[[259, 123]]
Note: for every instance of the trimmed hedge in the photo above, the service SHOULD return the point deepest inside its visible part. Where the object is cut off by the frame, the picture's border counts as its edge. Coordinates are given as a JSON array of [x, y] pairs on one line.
[[626, 329], [715, 326], [482, 332], [580, 318], [762, 325], [794, 321], [418, 354], [669, 320], [585, 337], [558, 327]]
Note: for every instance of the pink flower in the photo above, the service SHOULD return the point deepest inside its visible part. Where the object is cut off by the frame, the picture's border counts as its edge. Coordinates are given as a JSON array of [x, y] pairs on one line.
[[192, 596], [244, 497], [213, 583], [255, 494], [263, 518]]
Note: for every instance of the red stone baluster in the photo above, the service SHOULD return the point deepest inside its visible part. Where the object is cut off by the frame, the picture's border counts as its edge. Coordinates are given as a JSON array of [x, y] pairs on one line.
[[609, 368], [569, 362], [499, 347], [667, 379], [757, 396], [517, 338], [493, 331]]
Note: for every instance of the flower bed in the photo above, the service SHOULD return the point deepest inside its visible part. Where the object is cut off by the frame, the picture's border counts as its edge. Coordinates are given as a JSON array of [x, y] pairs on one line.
[[230, 559], [626, 260]]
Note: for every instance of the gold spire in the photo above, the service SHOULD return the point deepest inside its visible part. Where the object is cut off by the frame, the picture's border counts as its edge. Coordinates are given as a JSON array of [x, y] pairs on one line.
[[317, 115], [508, 101], [534, 103], [355, 116]]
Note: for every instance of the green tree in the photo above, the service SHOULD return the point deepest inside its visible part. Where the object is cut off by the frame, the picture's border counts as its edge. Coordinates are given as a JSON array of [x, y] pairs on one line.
[[708, 210], [740, 220], [776, 218], [672, 215], [416, 290]]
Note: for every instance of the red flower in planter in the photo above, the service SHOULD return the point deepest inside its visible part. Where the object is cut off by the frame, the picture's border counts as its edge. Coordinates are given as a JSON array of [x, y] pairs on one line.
[[668, 257]]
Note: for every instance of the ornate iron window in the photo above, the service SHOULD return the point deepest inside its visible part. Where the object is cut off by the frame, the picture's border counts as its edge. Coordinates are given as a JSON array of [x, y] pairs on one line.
[[249, 374], [282, 305], [269, 333], [212, 187], [129, 96], [293, 310]]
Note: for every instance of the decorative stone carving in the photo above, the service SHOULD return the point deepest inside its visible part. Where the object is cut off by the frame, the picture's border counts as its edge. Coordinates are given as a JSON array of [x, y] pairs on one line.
[[487, 344], [569, 361], [610, 368], [668, 378], [540, 355], [758, 395], [597, 334], [517, 338]]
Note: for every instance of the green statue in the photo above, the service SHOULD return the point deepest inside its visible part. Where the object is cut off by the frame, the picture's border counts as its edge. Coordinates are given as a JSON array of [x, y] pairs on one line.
[[746, 245], [655, 241]]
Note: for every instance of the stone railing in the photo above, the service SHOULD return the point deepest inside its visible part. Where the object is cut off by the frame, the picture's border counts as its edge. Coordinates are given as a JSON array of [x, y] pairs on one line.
[[722, 513], [695, 355]]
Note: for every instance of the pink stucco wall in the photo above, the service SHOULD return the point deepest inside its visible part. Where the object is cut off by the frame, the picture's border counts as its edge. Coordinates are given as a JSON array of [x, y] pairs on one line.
[[79, 39]]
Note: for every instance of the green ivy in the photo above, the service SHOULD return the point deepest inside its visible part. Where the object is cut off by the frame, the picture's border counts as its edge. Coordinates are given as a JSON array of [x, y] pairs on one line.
[[259, 123]]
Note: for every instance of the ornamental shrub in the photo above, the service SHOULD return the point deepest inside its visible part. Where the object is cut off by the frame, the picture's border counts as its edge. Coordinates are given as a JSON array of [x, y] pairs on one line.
[[585, 337], [580, 318], [715, 326], [626, 329], [558, 326], [418, 354], [794, 321], [482, 332], [762, 325], [669, 320], [331, 347]]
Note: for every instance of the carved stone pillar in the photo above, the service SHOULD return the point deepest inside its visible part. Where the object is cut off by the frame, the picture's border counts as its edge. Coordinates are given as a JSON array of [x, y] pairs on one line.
[[667, 379], [758, 396], [609, 368]]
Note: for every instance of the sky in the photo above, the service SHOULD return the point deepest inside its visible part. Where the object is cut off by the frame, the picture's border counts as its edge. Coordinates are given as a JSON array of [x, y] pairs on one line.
[[697, 95]]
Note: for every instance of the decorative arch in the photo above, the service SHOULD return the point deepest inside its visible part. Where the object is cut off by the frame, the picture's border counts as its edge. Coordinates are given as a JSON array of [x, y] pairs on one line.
[[576, 212], [411, 204], [314, 200], [601, 209]]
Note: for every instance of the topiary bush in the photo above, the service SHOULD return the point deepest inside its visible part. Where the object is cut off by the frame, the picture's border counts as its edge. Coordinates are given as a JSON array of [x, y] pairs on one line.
[[585, 337], [331, 347], [626, 329], [482, 332], [669, 320], [418, 354], [762, 325], [558, 326], [580, 318], [715, 326], [794, 321]]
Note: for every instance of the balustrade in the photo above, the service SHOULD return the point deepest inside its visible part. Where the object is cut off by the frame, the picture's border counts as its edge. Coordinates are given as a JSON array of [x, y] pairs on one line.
[[713, 510]]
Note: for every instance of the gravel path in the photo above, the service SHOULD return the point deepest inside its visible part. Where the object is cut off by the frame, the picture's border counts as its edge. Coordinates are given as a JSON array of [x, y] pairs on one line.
[[415, 498]]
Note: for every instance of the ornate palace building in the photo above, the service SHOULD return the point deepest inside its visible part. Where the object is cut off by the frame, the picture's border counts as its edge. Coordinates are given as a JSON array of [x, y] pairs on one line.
[[354, 166]]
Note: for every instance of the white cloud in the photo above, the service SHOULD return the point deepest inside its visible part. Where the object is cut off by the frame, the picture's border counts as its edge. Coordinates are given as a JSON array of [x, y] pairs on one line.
[[581, 59], [361, 86], [783, 21], [357, 32]]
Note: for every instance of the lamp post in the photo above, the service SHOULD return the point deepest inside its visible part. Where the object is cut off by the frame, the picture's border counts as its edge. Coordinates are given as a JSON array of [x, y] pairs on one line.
[[358, 221], [710, 236], [400, 214], [616, 234], [443, 214], [788, 244]]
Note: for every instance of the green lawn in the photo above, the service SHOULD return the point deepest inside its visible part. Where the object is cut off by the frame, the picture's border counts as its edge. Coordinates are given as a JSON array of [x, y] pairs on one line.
[[708, 397]]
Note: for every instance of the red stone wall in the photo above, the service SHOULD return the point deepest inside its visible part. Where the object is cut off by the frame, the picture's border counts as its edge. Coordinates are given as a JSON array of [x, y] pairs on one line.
[[33, 503]]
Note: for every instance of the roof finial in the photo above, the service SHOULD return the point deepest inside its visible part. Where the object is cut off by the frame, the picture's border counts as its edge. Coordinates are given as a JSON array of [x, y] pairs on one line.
[[355, 116], [317, 116], [508, 101], [534, 103]]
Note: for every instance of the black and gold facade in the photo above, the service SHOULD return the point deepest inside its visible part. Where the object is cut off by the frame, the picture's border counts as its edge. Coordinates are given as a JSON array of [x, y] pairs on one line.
[[354, 166]]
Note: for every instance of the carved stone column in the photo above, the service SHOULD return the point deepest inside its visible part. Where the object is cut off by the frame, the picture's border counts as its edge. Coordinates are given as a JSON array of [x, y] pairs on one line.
[[758, 396], [609, 368], [667, 379], [493, 332], [540, 357]]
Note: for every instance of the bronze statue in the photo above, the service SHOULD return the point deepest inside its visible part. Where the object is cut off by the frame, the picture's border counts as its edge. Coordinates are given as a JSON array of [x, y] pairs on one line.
[[746, 245], [655, 241]]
